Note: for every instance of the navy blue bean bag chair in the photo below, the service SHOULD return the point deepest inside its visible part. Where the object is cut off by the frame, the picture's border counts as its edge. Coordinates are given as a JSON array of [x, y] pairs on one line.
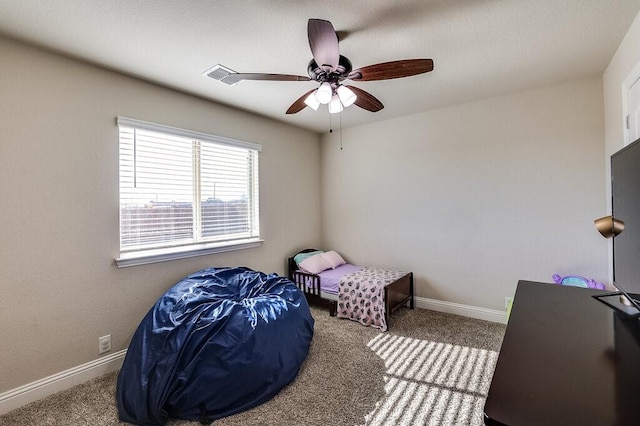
[[220, 341]]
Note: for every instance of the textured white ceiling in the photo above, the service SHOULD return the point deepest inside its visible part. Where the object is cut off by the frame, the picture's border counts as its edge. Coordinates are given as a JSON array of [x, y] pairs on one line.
[[480, 48]]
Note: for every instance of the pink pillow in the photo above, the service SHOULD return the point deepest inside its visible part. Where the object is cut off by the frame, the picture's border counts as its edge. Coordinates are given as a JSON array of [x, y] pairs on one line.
[[333, 259], [314, 264]]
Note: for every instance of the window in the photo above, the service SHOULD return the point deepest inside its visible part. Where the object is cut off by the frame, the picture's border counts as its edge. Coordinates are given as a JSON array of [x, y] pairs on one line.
[[184, 193]]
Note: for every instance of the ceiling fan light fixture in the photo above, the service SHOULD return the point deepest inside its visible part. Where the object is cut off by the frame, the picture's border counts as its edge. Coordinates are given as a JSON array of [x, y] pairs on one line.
[[324, 93], [312, 101], [335, 105], [346, 95]]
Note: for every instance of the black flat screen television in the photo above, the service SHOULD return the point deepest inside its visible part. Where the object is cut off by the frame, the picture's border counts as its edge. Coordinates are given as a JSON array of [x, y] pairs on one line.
[[625, 189]]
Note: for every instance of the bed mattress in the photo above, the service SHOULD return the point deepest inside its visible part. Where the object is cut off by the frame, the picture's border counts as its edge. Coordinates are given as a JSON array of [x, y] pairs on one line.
[[330, 278]]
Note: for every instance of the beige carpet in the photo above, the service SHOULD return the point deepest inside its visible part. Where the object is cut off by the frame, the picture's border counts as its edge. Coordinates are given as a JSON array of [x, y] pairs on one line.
[[429, 369]]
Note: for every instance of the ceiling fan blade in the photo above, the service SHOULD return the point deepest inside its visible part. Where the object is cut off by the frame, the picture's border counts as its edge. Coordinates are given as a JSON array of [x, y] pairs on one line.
[[366, 100], [299, 104], [393, 69], [237, 77], [323, 42]]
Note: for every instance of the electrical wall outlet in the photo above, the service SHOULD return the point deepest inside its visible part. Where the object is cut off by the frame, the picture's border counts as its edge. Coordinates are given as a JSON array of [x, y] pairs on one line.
[[104, 344], [507, 300]]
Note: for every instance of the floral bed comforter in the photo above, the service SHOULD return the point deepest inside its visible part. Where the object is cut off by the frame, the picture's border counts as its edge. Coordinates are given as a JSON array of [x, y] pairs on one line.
[[361, 295]]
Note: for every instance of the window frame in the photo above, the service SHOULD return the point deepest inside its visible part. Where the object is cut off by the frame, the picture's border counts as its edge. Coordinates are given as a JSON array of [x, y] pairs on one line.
[[197, 248]]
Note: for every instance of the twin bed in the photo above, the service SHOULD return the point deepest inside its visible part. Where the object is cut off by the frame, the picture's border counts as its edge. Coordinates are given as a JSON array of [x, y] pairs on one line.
[[364, 289]]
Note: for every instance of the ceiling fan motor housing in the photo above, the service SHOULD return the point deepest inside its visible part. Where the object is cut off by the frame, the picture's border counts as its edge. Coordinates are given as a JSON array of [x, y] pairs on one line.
[[334, 76]]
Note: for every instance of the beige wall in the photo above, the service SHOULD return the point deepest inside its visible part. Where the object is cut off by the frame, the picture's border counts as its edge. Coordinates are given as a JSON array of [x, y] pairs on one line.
[[59, 287], [626, 58], [474, 197]]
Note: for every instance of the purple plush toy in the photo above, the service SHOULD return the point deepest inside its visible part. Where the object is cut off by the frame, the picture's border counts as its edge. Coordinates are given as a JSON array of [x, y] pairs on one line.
[[578, 281]]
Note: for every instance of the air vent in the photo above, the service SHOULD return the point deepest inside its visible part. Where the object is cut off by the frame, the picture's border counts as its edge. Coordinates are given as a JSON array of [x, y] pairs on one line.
[[219, 72]]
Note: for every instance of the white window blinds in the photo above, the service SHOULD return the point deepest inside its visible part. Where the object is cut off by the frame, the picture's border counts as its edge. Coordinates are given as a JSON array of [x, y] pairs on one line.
[[180, 188]]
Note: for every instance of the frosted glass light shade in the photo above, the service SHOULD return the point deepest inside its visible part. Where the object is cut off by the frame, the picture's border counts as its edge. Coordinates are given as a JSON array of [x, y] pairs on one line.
[[324, 93], [346, 95], [335, 105], [312, 101]]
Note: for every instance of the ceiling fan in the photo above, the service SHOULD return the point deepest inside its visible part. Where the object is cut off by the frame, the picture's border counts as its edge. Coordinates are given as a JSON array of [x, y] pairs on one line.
[[329, 68]]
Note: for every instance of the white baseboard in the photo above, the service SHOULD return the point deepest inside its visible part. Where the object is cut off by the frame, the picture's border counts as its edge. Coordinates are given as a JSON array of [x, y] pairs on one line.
[[34, 391], [39, 389], [463, 310]]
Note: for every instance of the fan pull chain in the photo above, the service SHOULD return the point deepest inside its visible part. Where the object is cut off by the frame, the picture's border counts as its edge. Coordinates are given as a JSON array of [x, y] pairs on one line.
[[340, 130], [340, 127]]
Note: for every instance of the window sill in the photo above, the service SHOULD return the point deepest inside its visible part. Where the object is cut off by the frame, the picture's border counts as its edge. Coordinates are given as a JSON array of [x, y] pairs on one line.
[[175, 253]]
